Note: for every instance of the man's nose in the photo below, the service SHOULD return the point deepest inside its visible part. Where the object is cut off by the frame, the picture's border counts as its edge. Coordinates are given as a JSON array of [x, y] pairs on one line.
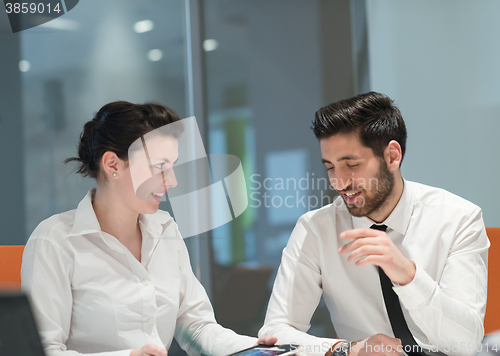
[[341, 180]]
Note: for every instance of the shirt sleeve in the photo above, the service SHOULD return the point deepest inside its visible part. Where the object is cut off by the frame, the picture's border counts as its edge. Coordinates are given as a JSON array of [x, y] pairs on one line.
[[46, 278], [197, 331], [296, 293], [451, 312]]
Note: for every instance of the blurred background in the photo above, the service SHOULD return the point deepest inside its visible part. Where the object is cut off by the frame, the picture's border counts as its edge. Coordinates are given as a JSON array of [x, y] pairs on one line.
[[253, 72]]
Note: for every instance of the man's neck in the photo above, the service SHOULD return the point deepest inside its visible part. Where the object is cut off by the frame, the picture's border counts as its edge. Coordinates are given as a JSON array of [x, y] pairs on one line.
[[386, 210]]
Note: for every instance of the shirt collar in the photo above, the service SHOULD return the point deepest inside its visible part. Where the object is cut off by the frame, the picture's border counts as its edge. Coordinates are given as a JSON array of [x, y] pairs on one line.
[[399, 219], [155, 223], [86, 221]]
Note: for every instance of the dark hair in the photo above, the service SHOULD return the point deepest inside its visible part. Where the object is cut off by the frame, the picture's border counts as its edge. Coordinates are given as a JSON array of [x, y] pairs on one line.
[[115, 127], [373, 115]]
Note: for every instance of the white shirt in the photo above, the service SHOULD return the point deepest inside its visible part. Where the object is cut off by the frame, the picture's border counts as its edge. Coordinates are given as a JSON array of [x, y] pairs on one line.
[[445, 303], [91, 295]]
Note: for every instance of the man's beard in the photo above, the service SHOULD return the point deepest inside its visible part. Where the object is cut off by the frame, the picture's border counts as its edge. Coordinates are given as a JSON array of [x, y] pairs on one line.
[[370, 205]]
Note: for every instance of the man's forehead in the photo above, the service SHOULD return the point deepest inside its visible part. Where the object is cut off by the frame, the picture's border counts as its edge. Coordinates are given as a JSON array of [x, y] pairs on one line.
[[341, 147], [343, 137], [342, 142]]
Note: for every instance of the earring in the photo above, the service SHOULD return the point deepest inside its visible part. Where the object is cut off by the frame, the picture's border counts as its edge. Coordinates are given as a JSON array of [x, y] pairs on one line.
[[114, 174]]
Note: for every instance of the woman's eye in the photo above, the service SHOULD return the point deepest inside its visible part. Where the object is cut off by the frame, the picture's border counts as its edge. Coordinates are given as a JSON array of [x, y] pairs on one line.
[[159, 165]]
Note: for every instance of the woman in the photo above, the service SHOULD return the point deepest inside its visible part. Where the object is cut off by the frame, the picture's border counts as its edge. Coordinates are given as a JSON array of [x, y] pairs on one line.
[[113, 277]]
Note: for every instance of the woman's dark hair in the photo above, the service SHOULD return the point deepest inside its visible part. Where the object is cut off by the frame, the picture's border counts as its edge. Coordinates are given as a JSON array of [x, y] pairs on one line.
[[373, 115], [115, 127]]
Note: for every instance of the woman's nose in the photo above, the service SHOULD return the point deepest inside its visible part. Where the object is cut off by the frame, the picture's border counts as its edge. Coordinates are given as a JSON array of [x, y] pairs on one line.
[[169, 178]]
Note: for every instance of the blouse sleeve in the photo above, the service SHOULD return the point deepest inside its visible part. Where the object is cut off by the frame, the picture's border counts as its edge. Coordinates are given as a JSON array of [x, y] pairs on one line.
[[196, 331], [46, 278]]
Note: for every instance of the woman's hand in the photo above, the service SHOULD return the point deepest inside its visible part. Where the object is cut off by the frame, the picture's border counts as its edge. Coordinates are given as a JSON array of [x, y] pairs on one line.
[[267, 340], [149, 350]]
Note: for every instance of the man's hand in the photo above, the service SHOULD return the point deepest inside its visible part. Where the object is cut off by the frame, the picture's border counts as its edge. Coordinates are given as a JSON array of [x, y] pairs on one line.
[[376, 345], [149, 350], [374, 247], [267, 340]]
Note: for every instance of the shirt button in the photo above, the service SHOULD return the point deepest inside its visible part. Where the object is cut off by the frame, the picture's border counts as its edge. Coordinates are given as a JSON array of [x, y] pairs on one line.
[[145, 282], [151, 320]]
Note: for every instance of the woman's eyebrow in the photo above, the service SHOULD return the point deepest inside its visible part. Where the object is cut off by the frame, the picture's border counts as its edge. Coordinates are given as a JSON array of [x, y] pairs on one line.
[[166, 160]]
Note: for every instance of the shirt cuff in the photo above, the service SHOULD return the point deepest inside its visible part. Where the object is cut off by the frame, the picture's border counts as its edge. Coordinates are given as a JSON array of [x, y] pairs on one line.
[[418, 292]]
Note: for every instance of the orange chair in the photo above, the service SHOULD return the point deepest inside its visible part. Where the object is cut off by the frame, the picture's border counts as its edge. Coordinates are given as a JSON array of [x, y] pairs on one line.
[[492, 317], [10, 266]]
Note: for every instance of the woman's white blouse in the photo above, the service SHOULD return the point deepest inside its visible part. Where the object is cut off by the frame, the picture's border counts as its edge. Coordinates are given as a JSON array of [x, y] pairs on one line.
[[92, 296]]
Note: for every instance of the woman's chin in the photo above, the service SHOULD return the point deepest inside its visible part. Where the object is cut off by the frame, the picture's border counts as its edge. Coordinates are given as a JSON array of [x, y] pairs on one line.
[[152, 207]]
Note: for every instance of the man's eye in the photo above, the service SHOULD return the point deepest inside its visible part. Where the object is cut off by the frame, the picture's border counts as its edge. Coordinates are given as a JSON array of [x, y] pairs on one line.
[[352, 165], [329, 168], [159, 165]]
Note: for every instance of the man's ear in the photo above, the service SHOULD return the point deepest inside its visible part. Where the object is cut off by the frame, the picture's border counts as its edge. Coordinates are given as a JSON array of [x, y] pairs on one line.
[[111, 163], [393, 155]]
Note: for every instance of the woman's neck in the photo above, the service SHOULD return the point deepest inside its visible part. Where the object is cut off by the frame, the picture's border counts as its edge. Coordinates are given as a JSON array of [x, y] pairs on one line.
[[115, 218]]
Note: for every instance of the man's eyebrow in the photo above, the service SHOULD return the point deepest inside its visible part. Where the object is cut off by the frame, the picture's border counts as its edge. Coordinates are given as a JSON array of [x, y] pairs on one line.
[[346, 158]]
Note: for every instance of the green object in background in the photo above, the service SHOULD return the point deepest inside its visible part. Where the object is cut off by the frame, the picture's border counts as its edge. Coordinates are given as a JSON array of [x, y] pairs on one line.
[[235, 129]]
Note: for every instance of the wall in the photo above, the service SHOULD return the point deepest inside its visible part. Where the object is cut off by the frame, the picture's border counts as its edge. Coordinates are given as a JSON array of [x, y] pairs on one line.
[[439, 60]]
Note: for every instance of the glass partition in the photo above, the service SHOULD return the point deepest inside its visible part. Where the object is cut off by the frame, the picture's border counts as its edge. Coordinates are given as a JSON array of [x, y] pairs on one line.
[[57, 75], [265, 70], [264, 82], [100, 51]]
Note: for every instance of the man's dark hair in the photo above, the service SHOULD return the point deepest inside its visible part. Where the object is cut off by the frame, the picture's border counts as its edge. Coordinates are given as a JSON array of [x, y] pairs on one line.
[[373, 115]]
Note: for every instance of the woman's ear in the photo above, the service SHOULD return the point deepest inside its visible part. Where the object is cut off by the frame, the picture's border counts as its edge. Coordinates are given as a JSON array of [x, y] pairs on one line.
[[111, 164], [393, 155]]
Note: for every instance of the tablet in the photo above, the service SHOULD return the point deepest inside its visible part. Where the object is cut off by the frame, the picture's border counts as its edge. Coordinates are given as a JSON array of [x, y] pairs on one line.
[[263, 350]]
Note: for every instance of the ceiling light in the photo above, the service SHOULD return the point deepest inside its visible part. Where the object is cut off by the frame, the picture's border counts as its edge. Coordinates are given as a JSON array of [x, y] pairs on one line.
[[24, 66], [62, 24], [210, 45], [155, 55], [144, 26]]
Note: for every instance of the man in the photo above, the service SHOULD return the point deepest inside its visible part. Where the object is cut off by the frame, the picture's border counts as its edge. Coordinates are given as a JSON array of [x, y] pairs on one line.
[[389, 239]]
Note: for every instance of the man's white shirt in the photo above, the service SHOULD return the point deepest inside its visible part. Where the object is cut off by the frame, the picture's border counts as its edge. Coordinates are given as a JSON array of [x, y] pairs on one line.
[[92, 296], [444, 304]]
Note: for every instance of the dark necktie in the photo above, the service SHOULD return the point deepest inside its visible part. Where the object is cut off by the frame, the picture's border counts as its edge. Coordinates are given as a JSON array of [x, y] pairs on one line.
[[396, 317]]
